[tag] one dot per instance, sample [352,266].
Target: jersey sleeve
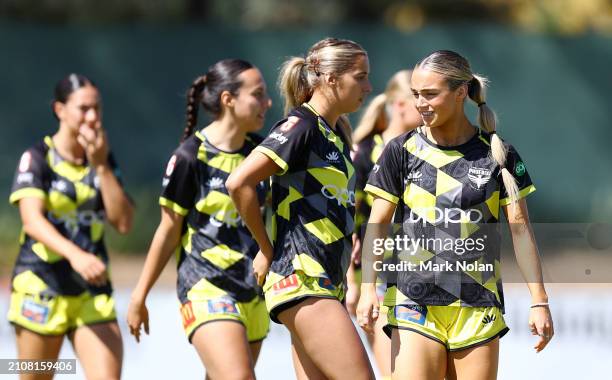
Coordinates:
[29,180]
[385,180]
[178,185]
[362,165]
[287,143]
[517,168]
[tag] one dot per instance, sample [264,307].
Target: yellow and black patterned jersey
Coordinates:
[73,205]
[367,153]
[216,246]
[448,204]
[313,197]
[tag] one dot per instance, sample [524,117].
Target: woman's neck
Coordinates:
[67,145]
[452,133]
[324,108]
[225,135]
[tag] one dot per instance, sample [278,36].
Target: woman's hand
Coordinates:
[352,298]
[137,315]
[368,308]
[94,141]
[261,266]
[90,267]
[541,324]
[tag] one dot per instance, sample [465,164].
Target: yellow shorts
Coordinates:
[293,289]
[58,315]
[205,305]
[455,327]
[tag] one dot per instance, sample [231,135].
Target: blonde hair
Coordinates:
[398,87]
[300,76]
[457,71]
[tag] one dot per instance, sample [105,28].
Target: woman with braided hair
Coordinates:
[444,183]
[215,286]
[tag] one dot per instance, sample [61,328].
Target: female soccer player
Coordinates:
[216,286]
[446,182]
[313,181]
[387,116]
[67,186]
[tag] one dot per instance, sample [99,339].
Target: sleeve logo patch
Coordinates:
[35,312]
[170,167]
[25,162]
[520,169]
[291,121]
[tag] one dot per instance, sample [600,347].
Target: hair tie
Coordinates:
[481,104]
[493,132]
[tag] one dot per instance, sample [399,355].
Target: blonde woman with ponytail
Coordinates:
[215,282]
[388,115]
[445,183]
[303,266]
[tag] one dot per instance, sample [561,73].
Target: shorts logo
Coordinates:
[291,121]
[171,164]
[488,319]
[411,313]
[286,283]
[35,312]
[24,163]
[187,314]
[479,176]
[222,306]
[519,169]
[326,283]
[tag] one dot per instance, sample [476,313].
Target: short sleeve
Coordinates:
[178,185]
[112,162]
[30,180]
[362,165]
[286,143]
[385,179]
[517,168]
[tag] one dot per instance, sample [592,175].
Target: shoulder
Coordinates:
[188,149]
[401,140]
[36,152]
[299,121]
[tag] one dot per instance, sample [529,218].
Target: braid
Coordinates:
[488,121]
[194,96]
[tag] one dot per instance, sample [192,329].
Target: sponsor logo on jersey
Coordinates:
[96,182]
[279,137]
[59,185]
[291,121]
[341,195]
[215,183]
[479,176]
[222,306]
[25,178]
[290,282]
[411,313]
[187,314]
[488,319]
[25,161]
[35,312]
[326,283]
[170,166]
[332,156]
[414,176]
[520,169]
[447,216]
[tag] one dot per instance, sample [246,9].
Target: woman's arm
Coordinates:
[36,225]
[528,259]
[241,185]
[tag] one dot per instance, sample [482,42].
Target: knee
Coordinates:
[235,374]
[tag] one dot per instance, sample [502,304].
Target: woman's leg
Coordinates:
[304,367]
[31,345]
[478,363]
[381,346]
[99,349]
[224,350]
[414,356]
[325,332]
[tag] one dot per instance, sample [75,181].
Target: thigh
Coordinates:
[305,369]
[326,333]
[381,345]
[99,349]
[224,350]
[31,345]
[255,349]
[414,356]
[477,363]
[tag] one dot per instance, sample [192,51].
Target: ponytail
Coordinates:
[370,118]
[293,83]
[194,96]
[488,122]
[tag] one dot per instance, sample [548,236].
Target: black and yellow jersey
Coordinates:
[74,207]
[216,247]
[448,204]
[366,154]
[313,197]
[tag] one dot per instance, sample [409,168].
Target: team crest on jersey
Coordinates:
[411,313]
[171,164]
[187,314]
[222,306]
[479,177]
[215,183]
[287,125]
[332,156]
[24,163]
[35,312]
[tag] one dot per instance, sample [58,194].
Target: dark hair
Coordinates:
[207,89]
[66,86]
